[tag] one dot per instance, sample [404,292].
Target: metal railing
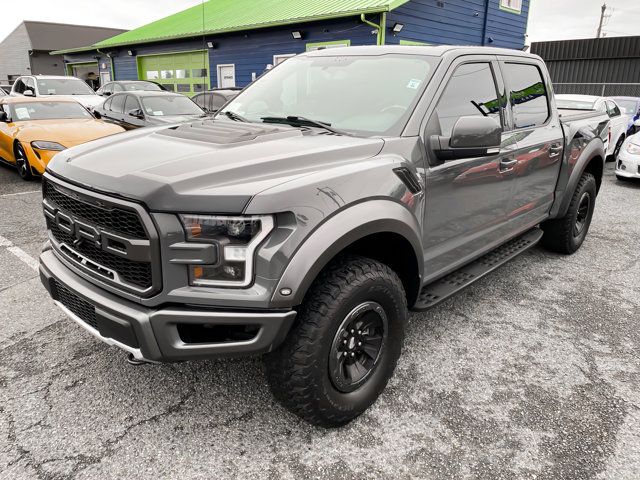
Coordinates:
[600,89]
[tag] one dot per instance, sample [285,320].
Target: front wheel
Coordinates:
[345,343]
[22,162]
[566,234]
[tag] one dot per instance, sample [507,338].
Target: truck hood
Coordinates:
[208,166]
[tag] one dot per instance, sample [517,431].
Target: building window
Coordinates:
[184,87]
[514,6]
[182,73]
[322,45]
[278,59]
[166,74]
[199,73]
[152,75]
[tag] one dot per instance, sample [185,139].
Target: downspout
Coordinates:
[486,19]
[380,29]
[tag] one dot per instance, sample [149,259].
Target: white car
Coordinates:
[53,85]
[628,163]
[619,121]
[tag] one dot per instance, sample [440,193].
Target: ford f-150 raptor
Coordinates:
[336,193]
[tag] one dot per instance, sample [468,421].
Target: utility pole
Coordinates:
[603,18]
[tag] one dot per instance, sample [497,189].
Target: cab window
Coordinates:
[612,109]
[527,94]
[471,92]
[117,104]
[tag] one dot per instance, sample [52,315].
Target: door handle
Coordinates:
[555,150]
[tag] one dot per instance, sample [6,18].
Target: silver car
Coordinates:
[628,162]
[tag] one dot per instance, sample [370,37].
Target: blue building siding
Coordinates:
[462,22]
[459,22]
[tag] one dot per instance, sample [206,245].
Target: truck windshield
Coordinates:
[63,86]
[370,95]
[169,105]
[20,112]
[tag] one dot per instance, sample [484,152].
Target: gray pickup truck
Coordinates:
[338,192]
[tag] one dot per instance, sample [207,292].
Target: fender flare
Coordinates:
[563,197]
[338,232]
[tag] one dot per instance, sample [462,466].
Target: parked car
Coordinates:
[307,217]
[3,93]
[630,106]
[5,89]
[215,99]
[628,163]
[33,130]
[128,86]
[619,120]
[55,86]
[143,109]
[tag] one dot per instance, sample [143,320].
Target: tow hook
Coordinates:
[134,361]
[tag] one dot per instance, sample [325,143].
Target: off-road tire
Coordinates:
[559,234]
[298,372]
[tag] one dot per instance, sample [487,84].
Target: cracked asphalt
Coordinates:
[532,373]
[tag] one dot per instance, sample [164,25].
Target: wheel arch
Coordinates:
[384,230]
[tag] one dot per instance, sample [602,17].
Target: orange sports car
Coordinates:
[33,130]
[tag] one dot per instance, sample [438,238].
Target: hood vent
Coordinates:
[224,132]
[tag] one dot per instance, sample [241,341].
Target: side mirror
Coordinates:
[29,93]
[96,114]
[471,137]
[106,94]
[136,112]
[4,117]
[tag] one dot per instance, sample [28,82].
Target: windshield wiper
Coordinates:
[296,120]
[235,116]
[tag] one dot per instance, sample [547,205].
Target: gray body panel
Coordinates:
[328,192]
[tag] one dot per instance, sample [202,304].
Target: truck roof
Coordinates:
[434,51]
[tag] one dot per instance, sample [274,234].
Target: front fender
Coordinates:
[338,232]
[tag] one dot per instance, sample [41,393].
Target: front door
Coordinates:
[226,76]
[466,199]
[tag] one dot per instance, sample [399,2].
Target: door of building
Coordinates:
[226,76]
[186,73]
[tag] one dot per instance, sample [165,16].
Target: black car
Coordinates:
[129,86]
[144,109]
[215,99]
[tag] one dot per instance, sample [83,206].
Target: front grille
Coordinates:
[81,308]
[115,220]
[71,214]
[135,273]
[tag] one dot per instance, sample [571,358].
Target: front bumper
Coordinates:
[158,335]
[628,165]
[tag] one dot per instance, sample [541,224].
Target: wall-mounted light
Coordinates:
[397,28]
[131,53]
[211,45]
[296,34]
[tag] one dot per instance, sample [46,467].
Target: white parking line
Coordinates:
[20,193]
[19,253]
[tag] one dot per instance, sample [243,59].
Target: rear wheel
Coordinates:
[22,162]
[345,344]
[566,234]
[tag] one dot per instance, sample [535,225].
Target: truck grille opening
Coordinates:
[82,309]
[116,220]
[65,209]
[191,333]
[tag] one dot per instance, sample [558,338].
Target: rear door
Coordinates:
[466,199]
[539,138]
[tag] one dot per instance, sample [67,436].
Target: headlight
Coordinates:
[236,238]
[633,149]
[43,145]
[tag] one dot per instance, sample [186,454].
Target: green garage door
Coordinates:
[186,73]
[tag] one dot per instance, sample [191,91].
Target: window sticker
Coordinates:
[158,112]
[22,113]
[51,91]
[414,84]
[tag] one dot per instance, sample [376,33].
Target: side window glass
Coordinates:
[217,101]
[107,104]
[201,100]
[471,91]
[613,110]
[117,88]
[117,104]
[19,86]
[30,84]
[527,94]
[131,104]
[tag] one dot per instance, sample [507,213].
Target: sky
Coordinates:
[548,19]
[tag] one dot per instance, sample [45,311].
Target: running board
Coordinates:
[451,284]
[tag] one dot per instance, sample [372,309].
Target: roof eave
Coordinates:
[292,21]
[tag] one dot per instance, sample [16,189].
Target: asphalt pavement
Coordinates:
[532,373]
